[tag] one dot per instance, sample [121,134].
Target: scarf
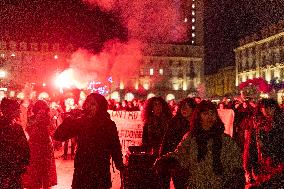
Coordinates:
[202,141]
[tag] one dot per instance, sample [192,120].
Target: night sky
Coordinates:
[228,21]
[89,27]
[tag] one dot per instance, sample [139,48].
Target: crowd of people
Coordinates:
[187,140]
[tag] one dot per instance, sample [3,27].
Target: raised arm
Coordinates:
[69,128]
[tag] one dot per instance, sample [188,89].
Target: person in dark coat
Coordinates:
[97,142]
[14,147]
[178,127]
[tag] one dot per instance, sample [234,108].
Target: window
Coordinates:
[161,71]
[55,47]
[12,45]
[151,71]
[44,46]
[3,45]
[141,72]
[34,46]
[23,46]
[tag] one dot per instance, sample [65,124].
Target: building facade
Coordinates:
[36,63]
[221,84]
[172,71]
[262,55]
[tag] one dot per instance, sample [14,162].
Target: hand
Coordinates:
[159,165]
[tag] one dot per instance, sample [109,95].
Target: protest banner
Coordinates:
[130,127]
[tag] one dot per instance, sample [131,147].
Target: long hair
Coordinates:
[186,101]
[40,104]
[148,114]
[9,105]
[203,136]
[97,100]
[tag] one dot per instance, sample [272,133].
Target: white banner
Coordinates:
[227,116]
[129,126]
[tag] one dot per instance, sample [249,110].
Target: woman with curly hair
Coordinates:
[212,158]
[155,115]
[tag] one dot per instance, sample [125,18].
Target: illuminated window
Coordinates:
[13,54]
[193,5]
[193,27]
[193,20]
[192,42]
[151,71]
[193,34]
[2,55]
[185,19]
[193,12]
[56,56]
[161,71]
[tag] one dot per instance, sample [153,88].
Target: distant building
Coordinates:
[221,84]
[262,55]
[32,62]
[173,71]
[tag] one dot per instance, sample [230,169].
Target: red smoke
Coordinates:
[149,20]
[119,60]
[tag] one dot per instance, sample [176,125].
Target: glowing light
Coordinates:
[151,71]
[13,54]
[193,6]
[136,86]
[2,95]
[193,27]
[161,71]
[64,80]
[97,86]
[129,97]
[56,56]
[176,86]
[115,96]
[146,86]
[43,84]
[21,95]
[185,19]
[193,20]
[193,34]
[110,79]
[12,93]
[170,97]
[2,73]
[264,95]
[121,85]
[150,95]
[43,95]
